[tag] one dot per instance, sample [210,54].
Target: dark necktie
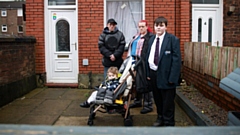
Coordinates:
[156,55]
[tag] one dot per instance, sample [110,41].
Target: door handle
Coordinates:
[75,45]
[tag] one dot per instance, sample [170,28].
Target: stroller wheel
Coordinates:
[128,122]
[90,122]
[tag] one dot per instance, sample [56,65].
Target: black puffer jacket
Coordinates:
[111,43]
[141,77]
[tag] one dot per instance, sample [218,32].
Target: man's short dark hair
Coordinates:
[161,20]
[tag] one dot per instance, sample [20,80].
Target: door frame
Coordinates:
[48,49]
[219,17]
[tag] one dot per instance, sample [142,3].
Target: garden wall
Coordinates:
[209,87]
[17,67]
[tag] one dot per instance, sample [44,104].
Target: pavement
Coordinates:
[60,107]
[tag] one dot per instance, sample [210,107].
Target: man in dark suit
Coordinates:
[163,71]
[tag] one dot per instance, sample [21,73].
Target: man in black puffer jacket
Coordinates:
[111,45]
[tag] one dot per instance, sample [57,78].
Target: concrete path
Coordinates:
[60,107]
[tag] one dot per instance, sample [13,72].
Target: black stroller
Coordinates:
[121,104]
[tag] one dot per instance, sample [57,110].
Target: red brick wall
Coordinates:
[35,27]
[17,59]
[90,26]
[209,87]
[17,67]
[231,25]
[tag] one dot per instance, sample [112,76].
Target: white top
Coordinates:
[152,52]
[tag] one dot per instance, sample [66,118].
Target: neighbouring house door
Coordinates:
[62,57]
[207,24]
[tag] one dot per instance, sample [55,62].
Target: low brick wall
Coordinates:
[209,87]
[17,67]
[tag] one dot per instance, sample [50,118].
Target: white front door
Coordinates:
[206,24]
[62,61]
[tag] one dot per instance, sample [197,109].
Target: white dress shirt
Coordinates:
[152,51]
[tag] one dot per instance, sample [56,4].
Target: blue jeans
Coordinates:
[105,72]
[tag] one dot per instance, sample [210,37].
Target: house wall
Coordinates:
[231,24]
[17,67]
[12,21]
[209,87]
[91,23]
[35,27]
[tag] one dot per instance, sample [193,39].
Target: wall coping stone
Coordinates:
[4,38]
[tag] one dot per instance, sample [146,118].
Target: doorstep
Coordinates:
[62,85]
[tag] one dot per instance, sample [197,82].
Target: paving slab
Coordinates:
[33,119]
[50,93]
[12,113]
[60,106]
[51,107]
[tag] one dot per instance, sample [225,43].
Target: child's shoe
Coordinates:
[85,104]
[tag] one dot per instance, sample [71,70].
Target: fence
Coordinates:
[215,61]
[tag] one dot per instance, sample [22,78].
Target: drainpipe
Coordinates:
[153,13]
[90,80]
[175,17]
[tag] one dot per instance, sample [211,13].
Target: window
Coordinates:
[4,13]
[200,30]
[4,28]
[19,12]
[205,1]
[62,36]
[210,30]
[20,29]
[61,2]
[127,14]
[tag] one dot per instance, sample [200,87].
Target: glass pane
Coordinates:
[62,36]
[20,29]
[61,2]
[210,30]
[199,30]
[127,14]
[205,1]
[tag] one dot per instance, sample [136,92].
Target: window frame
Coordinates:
[4,26]
[2,13]
[19,30]
[59,3]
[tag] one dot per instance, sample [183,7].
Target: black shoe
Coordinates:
[85,104]
[135,105]
[158,123]
[144,110]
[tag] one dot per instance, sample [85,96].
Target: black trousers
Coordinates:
[164,100]
[145,99]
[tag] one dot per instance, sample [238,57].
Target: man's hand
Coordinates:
[112,57]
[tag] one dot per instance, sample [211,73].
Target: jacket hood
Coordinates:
[106,30]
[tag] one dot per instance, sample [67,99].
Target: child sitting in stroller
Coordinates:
[105,92]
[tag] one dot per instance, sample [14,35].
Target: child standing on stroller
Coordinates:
[105,92]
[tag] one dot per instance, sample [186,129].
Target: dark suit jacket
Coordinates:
[169,66]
